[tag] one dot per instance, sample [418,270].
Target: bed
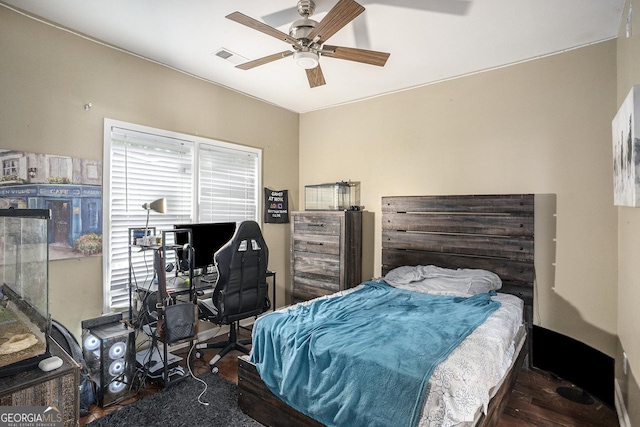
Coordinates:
[491,234]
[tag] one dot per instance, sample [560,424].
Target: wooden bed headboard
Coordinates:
[491,232]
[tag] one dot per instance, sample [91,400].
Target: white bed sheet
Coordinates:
[468,378]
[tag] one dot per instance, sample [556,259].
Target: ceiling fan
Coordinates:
[308,37]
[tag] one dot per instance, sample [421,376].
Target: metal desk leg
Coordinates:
[273,301]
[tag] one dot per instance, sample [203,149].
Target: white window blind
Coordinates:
[228,190]
[145,164]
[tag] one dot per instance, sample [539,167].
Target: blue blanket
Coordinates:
[363,359]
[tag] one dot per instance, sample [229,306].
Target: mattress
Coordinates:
[461,386]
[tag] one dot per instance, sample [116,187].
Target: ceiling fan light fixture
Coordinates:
[306,59]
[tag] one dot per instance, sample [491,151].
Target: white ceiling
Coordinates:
[429,40]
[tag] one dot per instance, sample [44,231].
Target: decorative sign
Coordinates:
[276,206]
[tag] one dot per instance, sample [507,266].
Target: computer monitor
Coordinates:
[206,239]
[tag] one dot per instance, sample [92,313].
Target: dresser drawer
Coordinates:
[305,288]
[318,244]
[317,224]
[316,263]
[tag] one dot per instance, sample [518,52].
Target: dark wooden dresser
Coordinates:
[326,252]
[58,388]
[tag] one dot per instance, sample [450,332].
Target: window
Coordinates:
[10,167]
[94,215]
[92,171]
[227,190]
[203,180]
[60,167]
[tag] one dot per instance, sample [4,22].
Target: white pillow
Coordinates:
[433,279]
[403,275]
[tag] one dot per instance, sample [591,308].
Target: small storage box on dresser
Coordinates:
[326,252]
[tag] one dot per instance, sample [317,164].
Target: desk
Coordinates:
[178,286]
[272,274]
[199,287]
[145,311]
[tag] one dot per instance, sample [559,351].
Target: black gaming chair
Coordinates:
[241,289]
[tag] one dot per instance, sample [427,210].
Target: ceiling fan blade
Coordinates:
[243,19]
[315,77]
[265,60]
[340,15]
[371,57]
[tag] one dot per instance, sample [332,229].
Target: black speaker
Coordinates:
[110,356]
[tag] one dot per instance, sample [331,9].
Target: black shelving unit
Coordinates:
[143,319]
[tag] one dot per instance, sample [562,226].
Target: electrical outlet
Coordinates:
[624,363]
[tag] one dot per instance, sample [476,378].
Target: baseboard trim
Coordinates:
[621,409]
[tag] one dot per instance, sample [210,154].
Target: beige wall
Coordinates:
[542,126]
[628,235]
[48,75]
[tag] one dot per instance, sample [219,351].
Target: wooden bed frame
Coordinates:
[491,232]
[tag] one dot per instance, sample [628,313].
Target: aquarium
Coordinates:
[25,322]
[336,196]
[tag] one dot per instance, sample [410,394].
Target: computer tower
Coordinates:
[110,356]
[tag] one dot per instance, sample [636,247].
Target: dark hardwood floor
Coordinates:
[533,402]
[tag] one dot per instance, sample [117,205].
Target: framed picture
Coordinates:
[70,187]
[626,151]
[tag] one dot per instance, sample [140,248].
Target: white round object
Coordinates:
[117,350]
[91,342]
[49,364]
[116,367]
[306,60]
[117,386]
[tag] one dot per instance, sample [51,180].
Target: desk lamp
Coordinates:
[159,206]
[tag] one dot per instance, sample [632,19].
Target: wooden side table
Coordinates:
[58,388]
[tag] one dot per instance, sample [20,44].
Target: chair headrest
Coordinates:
[247,233]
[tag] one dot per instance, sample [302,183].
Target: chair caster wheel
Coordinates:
[214,370]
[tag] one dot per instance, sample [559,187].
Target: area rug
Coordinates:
[178,406]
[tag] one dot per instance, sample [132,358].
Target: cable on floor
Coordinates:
[198,379]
